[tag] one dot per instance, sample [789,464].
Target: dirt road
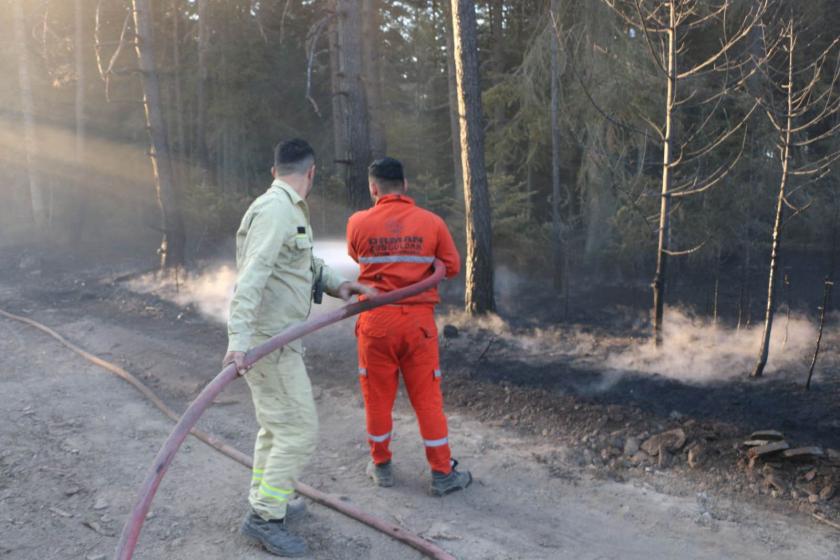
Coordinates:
[75,442]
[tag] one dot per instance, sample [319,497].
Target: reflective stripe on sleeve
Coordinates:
[379,439]
[363,371]
[437,373]
[396,259]
[436,442]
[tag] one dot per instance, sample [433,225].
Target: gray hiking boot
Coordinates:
[382,474]
[443,484]
[274,536]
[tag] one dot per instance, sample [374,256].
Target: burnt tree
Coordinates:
[172,249]
[556,219]
[372,74]
[452,87]
[479,297]
[802,105]
[353,153]
[666,27]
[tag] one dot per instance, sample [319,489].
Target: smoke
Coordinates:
[210,290]
[695,349]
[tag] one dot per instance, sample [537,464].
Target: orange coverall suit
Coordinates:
[395,244]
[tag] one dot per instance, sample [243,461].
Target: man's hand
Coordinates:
[348,289]
[237,358]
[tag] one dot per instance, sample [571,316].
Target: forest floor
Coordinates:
[552,439]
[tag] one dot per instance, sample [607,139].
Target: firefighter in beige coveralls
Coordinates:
[276,275]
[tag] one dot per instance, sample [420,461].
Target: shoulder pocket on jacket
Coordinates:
[303,243]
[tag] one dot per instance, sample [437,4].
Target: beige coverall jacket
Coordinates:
[276,272]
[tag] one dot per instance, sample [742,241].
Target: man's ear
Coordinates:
[311,173]
[405,185]
[273,172]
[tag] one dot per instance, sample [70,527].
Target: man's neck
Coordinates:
[390,194]
[297,182]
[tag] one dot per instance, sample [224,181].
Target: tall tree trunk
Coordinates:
[497,34]
[202,153]
[454,125]
[556,222]
[778,221]
[38,203]
[79,47]
[172,248]
[663,246]
[339,101]
[349,14]
[372,68]
[479,297]
[78,219]
[177,82]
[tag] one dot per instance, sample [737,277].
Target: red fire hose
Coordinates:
[131,530]
[185,424]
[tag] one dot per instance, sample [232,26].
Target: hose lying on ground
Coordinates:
[186,423]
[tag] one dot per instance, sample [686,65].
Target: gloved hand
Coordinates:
[237,358]
[348,289]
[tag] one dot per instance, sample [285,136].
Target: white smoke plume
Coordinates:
[211,290]
[695,350]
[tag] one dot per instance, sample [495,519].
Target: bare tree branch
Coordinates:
[313,36]
[687,251]
[747,24]
[717,176]
[818,166]
[722,138]
[646,32]
[106,73]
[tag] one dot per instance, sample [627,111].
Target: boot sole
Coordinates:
[441,493]
[249,533]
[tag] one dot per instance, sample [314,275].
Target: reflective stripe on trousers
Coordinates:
[396,341]
[285,410]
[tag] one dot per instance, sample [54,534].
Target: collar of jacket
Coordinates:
[285,187]
[388,198]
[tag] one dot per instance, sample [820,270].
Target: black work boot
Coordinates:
[382,474]
[295,508]
[273,535]
[443,484]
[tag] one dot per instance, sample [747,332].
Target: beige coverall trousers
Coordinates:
[285,410]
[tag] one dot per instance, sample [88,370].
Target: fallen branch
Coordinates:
[826,520]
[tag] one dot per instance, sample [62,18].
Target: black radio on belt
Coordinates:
[318,288]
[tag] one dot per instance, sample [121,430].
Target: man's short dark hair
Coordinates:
[388,173]
[293,157]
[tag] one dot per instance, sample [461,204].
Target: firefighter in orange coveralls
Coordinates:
[395,244]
